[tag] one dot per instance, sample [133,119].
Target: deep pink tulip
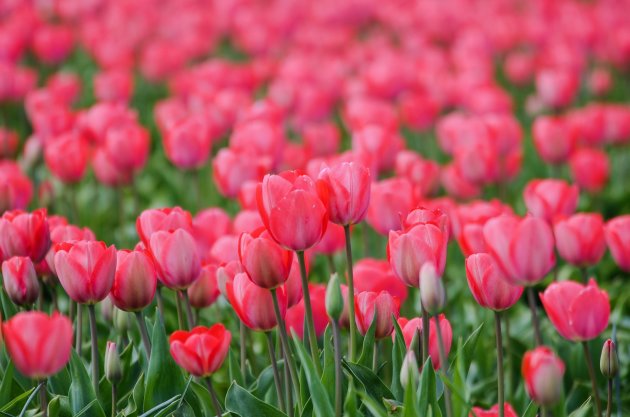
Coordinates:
[247,221]
[16,189]
[508,411]
[578,312]
[543,372]
[293,284]
[557,87]
[488,285]
[24,234]
[225,249]
[580,239]
[321,139]
[291,209]
[127,146]
[391,200]
[261,137]
[295,315]
[266,263]
[253,304]
[422,215]
[204,292]
[424,174]
[61,232]
[165,219]
[333,241]
[176,259]
[456,185]
[39,345]
[550,198]
[20,280]
[410,327]
[468,220]
[85,269]
[555,138]
[113,85]
[52,44]
[67,157]
[107,173]
[590,169]
[523,248]
[65,86]
[187,144]
[382,307]
[232,169]
[348,187]
[135,280]
[202,350]
[208,226]
[379,145]
[377,275]
[618,239]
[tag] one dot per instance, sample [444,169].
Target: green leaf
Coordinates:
[203,398]
[169,404]
[427,380]
[372,405]
[239,401]
[372,384]
[164,379]
[584,409]
[531,410]
[234,370]
[410,402]
[368,344]
[321,402]
[59,406]
[8,308]
[81,390]
[7,384]
[328,374]
[17,401]
[398,355]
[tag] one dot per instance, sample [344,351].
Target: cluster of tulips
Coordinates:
[472,154]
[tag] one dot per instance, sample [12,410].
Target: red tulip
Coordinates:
[165,219]
[52,44]
[176,258]
[468,222]
[85,269]
[543,372]
[410,327]
[456,185]
[202,350]
[187,144]
[127,146]
[24,234]
[16,189]
[424,174]
[333,241]
[391,201]
[579,312]
[20,280]
[549,198]
[348,187]
[295,315]
[557,87]
[253,304]
[523,248]
[39,345]
[555,138]
[209,225]
[508,411]
[618,239]
[231,170]
[488,285]
[67,157]
[63,232]
[204,292]
[291,210]
[266,263]
[381,307]
[377,275]
[135,280]
[580,238]
[590,169]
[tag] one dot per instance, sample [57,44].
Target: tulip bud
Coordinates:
[431,289]
[409,369]
[113,368]
[122,321]
[20,280]
[608,363]
[334,298]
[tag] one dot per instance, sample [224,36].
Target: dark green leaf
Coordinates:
[6,384]
[398,355]
[372,384]
[81,390]
[244,404]
[321,402]
[372,405]
[15,402]
[328,373]
[368,344]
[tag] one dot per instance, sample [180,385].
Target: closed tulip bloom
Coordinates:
[557,87]
[543,372]
[38,345]
[410,327]
[488,285]
[226,274]
[86,270]
[578,312]
[550,198]
[233,169]
[618,239]
[292,210]
[348,187]
[381,307]
[456,185]
[294,318]
[67,157]
[208,226]
[508,411]
[424,174]
[166,219]
[60,233]
[20,280]
[16,189]
[253,304]
[202,350]
[135,280]
[409,250]
[24,234]
[590,169]
[391,200]
[204,292]
[523,248]
[266,263]
[187,144]
[608,361]
[127,146]
[333,241]
[376,275]
[555,138]
[580,239]
[107,173]
[176,258]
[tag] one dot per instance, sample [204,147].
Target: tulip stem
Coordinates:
[285,342]
[338,373]
[506,321]
[160,302]
[114,399]
[331,264]
[243,347]
[94,340]
[276,374]
[215,400]
[375,356]
[501,393]
[425,335]
[443,367]
[352,321]
[591,372]
[43,397]
[584,271]
[310,324]
[142,325]
[189,312]
[610,400]
[79,327]
[180,311]
[531,297]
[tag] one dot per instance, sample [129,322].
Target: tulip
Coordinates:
[176,258]
[202,350]
[377,275]
[543,372]
[488,284]
[456,185]
[208,226]
[113,367]
[549,198]
[618,239]
[590,169]
[423,174]
[260,137]
[391,200]
[135,280]
[64,233]
[557,87]
[332,242]
[38,345]
[24,234]
[411,327]
[113,85]
[508,411]
[555,138]
[231,170]
[188,143]
[432,292]
[334,299]
[609,362]
[266,263]
[295,315]
[52,44]
[370,306]
[127,146]
[20,280]
[204,292]
[67,157]
[166,219]
[107,173]
[379,144]
[348,186]
[225,249]
[16,189]
[253,304]
[580,239]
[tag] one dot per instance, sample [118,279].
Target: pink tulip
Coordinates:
[52,44]
[508,411]
[578,312]
[377,275]
[557,87]
[16,189]
[208,226]
[165,219]
[580,239]
[618,239]
[67,157]
[187,144]
[24,234]
[247,221]
[590,169]
[135,280]
[382,306]
[266,263]
[107,172]
[333,241]
[8,143]
[253,304]
[201,351]
[348,187]
[113,85]
[20,280]
[410,327]
[456,185]
[176,258]
[295,315]
[204,292]
[555,138]
[550,198]
[488,285]
[264,138]
[543,372]
[424,174]
[127,146]
[231,170]
[391,200]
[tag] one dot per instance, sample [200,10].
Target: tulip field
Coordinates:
[331,208]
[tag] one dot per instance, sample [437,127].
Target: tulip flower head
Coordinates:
[20,280]
[370,306]
[24,234]
[266,263]
[618,239]
[488,284]
[135,280]
[543,372]
[411,327]
[580,238]
[202,350]
[550,198]
[348,186]
[253,304]
[176,258]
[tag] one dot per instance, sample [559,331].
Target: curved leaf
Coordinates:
[244,404]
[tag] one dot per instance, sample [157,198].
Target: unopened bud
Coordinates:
[608,363]
[334,298]
[431,289]
[409,370]
[113,368]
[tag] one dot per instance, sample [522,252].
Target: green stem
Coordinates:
[43,398]
[310,324]
[142,326]
[591,372]
[79,329]
[215,400]
[94,340]
[243,348]
[584,271]
[375,357]
[352,322]
[114,399]
[189,312]
[425,335]
[501,393]
[338,373]
[531,297]
[443,367]
[276,374]
[160,302]
[180,311]
[331,264]
[610,400]
[284,338]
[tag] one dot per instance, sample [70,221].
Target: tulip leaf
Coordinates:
[7,384]
[410,402]
[60,382]
[427,380]
[372,384]
[398,355]
[531,410]
[239,401]
[164,379]
[203,398]
[59,406]
[81,390]
[328,373]
[168,405]
[372,405]
[8,308]
[234,370]
[321,402]
[584,409]
[368,344]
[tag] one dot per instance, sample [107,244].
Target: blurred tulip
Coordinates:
[333,240]
[543,372]
[456,185]
[204,292]
[8,142]
[609,361]
[295,315]
[266,263]
[599,81]
[488,285]
[113,85]
[555,138]
[187,144]
[67,157]
[376,275]
[391,200]
[580,239]
[127,146]
[208,226]
[590,169]
[16,189]
[556,87]
[52,44]
[165,219]
[231,170]
[348,186]
[382,307]
[176,258]
[113,367]
[618,239]
[494,411]
[202,350]
[411,327]
[24,234]
[550,198]
[135,280]
[424,174]
[253,304]
[20,280]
